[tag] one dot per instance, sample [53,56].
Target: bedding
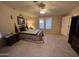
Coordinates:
[32,34]
[31,31]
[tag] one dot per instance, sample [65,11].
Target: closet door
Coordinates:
[73,28]
[66,22]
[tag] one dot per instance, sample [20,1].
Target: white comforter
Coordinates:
[31,31]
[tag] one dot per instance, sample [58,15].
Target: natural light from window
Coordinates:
[45,23]
[41,22]
[48,23]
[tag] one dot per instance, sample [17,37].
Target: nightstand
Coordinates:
[2,43]
[11,39]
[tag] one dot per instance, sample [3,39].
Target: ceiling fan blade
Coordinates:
[40,4]
[35,1]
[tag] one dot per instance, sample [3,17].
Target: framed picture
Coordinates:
[20,20]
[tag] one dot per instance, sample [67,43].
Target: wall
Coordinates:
[66,21]
[33,21]
[6,23]
[56,27]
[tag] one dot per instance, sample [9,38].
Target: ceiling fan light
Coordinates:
[42,12]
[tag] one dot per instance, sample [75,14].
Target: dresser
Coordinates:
[2,42]
[10,39]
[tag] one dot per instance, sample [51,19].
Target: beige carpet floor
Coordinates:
[53,46]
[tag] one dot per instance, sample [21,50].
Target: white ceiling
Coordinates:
[52,7]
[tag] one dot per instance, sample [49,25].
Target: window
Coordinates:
[41,22]
[45,23]
[48,23]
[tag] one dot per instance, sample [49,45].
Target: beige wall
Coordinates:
[6,23]
[56,27]
[33,21]
[66,21]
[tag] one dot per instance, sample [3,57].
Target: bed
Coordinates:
[32,34]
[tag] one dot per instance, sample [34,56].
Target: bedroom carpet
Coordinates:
[53,46]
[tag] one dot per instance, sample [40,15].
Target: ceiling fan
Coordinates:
[40,4]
